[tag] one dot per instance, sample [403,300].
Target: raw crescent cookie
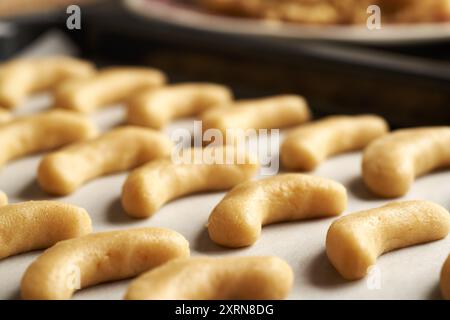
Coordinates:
[36,225]
[244,278]
[354,242]
[158,107]
[22,77]
[308,145]
[109,86]
[267,113]
[237,220]
[63,171]
[142,196]
[391,163]
[42,132]
[100,257]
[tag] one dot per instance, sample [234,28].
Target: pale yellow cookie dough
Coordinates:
[354,242]
[111,85]
[22,77]
[100,257]
[307,146]
[35,225]
[149,187]
[391,163]
[42,132]
[265,113]
[201,278]
[124,148]
[156,108]
[237,220]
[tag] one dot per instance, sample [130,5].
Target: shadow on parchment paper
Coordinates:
[322,273]
[435,293]
[204,244]
[359,189]
[33,191]
[15,295]
[116,214]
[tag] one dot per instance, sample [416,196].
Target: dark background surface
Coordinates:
[409,85]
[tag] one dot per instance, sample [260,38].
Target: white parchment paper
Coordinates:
[411,273]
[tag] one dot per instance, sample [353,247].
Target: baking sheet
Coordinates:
[410,273]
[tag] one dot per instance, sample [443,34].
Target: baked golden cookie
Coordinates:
[333,11]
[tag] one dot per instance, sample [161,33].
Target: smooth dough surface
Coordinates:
[264,113]
[155,108]
[307,146]
[63,171]
[237,220]
[36,225]
[42,132]
[201,278]
[391,163]
[109,86]
[22,77]
[354,242]
[149,187]
[99,257]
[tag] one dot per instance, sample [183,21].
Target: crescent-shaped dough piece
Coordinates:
[3,198]
[22,77]
[237,220]
[156,108]
[354,242]
[391,163]
[109,86]
[99,257]
[201,278]
[265,113]
[63,171]
[36,225]
[149,187]
[42,132]
[310,144]
[445,279]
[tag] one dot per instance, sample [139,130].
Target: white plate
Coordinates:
[184,14]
